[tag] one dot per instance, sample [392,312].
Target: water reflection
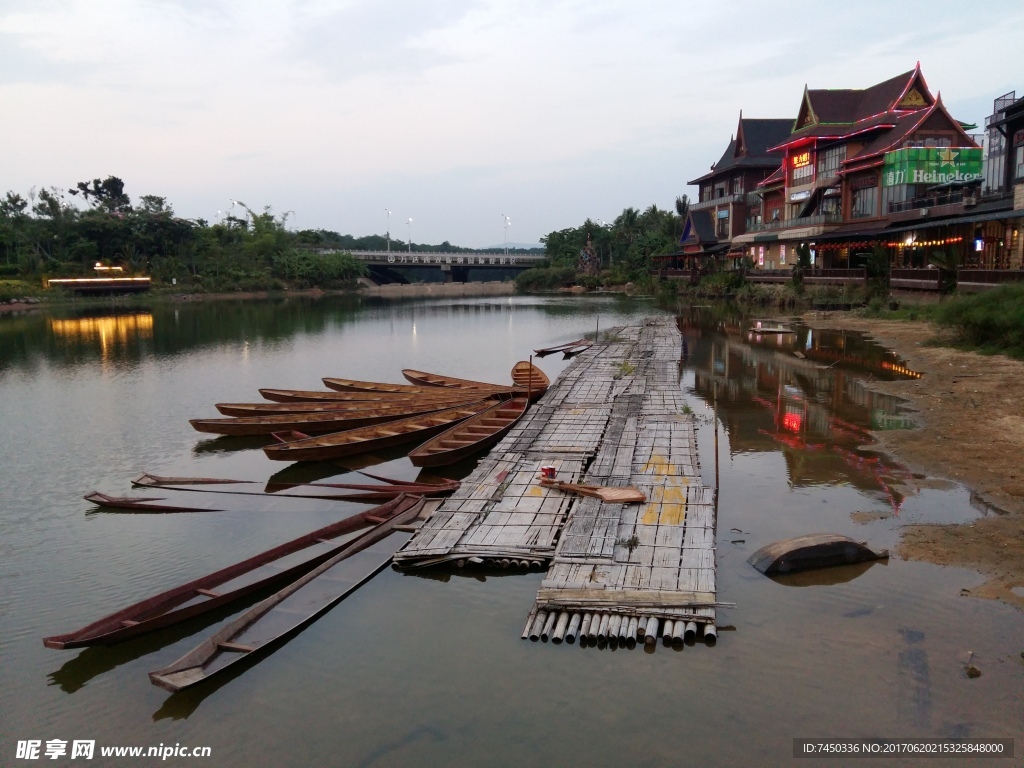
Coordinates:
[109,332]
[802,394]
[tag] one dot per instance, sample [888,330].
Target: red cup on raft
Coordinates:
[548,472]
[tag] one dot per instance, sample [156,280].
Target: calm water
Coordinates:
[429,669]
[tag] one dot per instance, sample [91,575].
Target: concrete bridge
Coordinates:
[453,266]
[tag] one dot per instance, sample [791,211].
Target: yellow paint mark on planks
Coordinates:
[667,505]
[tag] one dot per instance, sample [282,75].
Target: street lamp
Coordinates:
[508,223]
[389,229]
[243,206]
[409,225]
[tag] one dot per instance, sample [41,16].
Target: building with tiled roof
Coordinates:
[727,197]
[842,179]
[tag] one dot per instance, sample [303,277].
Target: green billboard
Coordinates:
[931,165]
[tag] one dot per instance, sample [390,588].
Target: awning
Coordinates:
[1011,214]
[765,238]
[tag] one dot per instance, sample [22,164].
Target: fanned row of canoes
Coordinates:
[356,417]
[234,582]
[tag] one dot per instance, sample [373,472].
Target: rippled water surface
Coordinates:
[429,669]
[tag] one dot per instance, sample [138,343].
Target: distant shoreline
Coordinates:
[414,290]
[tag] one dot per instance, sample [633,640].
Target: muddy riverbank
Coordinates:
[971,430]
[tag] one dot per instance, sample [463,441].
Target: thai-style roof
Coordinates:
[749,147]
[698,229]
[905,125]
[844,112]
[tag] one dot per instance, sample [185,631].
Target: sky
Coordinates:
[457,114]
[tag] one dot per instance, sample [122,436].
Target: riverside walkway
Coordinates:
[628,572]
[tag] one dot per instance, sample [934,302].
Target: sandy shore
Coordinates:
[972,431]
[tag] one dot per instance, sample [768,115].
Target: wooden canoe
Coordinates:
[280,615]
[437,380]
[369,492]
[229,584]
[340,444]
[157,480]
[428,390]
[573,351]
[139,504]
[313,423]
[530,378]
[470,436]
[558,348]
[334,396]
[443,400]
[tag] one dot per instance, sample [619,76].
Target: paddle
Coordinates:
[616,495]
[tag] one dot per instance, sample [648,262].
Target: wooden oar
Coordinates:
[615,495]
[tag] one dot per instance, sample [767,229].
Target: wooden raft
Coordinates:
[615,572]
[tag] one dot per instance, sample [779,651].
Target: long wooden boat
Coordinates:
[370,492]
[558,348]
[279,565]
[530,378]
[573,351]
[442,400]
[139,504]
[313,423]
[470,436]
[157,480]
[365,439]
[280,615]
[443,484]
[420,389]
[424,379]
[334,396]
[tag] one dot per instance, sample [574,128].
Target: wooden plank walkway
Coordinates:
[622,572]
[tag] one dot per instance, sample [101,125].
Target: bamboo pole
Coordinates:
[691,630]
[573,628]
[538,625]
[631,630]
[585,626]
[651,633]
[560,626]
[549,626]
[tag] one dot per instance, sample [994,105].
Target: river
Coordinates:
[429,669]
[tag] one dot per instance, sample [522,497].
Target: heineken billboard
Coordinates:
[931,165]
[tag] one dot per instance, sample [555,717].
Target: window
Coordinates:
[802,175]
[1020,161]
[723,224]
[829,161]
[865,203]
[782,254]
[737,185]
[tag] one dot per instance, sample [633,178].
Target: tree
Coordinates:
[107,194]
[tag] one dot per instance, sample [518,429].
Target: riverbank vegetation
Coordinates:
[53,232]
[990,322]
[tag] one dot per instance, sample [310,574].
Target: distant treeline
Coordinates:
[622,249]
[64,233]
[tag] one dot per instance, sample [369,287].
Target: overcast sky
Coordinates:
[449,112]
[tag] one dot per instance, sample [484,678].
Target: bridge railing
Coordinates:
[442,258]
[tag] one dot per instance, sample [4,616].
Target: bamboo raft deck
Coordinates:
[631,572]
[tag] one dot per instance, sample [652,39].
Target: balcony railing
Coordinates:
[931,201]
[811,276]
[800,221]
[716,201]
